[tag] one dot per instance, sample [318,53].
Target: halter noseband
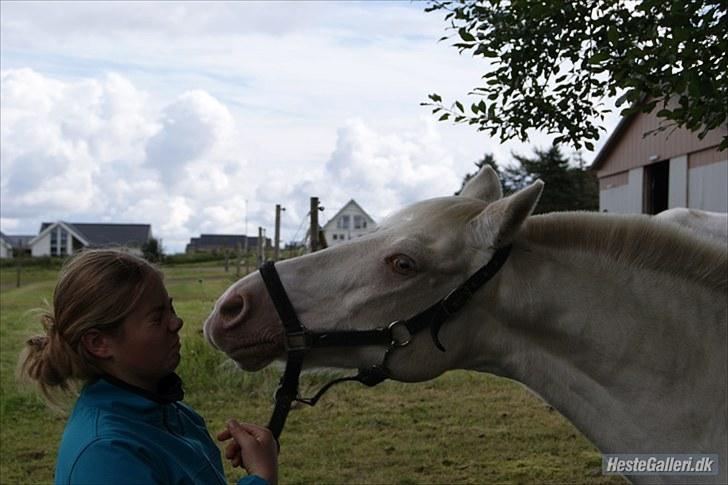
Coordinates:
[300,340]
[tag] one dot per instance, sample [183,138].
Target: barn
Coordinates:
[673,168]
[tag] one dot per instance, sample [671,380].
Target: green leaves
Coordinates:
[551,64]
[465,35]
[599,57]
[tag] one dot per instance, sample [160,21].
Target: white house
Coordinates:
[349,223]
[64,238]
[6,248]
[647,175]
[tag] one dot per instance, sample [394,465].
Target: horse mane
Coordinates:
[634,240]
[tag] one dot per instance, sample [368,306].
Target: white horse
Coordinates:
[619,322]
[703,223]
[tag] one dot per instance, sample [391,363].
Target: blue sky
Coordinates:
[191,115]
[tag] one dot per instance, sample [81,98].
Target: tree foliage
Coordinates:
[152,250]
[553,64]
[568,186]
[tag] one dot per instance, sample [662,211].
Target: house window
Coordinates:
[343,222]
[359,222]
[59,242]
[54,243]
[335,237]
[64,242]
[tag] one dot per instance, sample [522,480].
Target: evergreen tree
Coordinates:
[568,187]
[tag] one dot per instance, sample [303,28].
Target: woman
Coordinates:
[113,328]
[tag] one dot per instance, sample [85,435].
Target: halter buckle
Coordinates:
[399,332]
[297,341]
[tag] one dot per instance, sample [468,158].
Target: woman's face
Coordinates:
[148,346]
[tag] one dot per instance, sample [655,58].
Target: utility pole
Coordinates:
[276,248]
[261,256]
[247,260]
[314,224]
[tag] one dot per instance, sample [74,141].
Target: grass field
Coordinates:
[463,427]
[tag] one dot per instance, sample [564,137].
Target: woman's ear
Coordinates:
[97,344]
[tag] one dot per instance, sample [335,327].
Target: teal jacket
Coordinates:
[119,434]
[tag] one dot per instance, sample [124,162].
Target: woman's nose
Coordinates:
[177,323]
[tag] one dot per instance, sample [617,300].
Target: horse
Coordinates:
[620,322]
[704,223]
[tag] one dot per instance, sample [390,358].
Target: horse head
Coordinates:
[414,258]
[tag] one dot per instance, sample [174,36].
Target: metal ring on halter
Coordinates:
[401,335]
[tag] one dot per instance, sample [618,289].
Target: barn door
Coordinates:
[656,187]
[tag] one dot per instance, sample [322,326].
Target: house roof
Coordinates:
[611,142]
[17,241]
[224,240]
[103,234]
[348,204]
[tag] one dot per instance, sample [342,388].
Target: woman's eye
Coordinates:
[402,264]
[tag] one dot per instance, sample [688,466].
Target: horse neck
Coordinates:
[615,349]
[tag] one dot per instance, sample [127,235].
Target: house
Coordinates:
[63,238]
[14,246]
[213,243]
[6,247]
[670,169]
[349,223]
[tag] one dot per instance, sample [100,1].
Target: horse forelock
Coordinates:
[436,213]
[634,240]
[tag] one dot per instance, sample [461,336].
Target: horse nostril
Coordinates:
[232,308]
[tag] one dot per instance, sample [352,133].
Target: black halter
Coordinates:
[399,333]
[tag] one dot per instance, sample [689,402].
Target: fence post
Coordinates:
[313,232]
[237,263]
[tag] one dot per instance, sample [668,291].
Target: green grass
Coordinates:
[463,427]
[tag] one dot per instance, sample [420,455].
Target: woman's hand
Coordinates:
[253,447]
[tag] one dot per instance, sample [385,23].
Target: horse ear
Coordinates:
[497,225]
[485,186]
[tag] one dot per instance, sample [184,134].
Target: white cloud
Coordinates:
[390,168]
[198,116]
[381,167]
[196,126]
[92,151]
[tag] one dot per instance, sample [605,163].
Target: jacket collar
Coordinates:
[169,389]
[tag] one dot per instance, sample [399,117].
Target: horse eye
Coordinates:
[402,264]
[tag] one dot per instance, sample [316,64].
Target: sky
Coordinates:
[201,117]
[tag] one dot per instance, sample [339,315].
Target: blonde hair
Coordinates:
[96,289]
